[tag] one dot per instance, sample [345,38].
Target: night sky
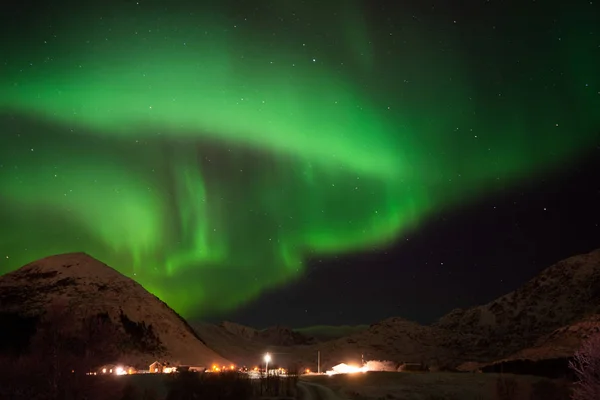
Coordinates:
[302,162]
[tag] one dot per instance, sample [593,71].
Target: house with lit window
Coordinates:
[156,367]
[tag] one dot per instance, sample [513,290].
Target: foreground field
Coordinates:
[221,386]
[442,386]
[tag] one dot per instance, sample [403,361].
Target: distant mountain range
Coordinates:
[323,333]
[545,319]
[563,294]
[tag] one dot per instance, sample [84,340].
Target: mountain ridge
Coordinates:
[88,288]
[564,293]
[562,296]
[546,317]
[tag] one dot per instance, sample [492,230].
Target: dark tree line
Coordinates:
[58,357]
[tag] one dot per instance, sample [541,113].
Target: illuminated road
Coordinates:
[314,391]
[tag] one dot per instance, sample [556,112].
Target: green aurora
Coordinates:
[210,154]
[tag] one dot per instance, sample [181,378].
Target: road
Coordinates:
[314,391]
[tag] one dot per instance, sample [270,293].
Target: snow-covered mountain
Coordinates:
[545,318]
[144,328]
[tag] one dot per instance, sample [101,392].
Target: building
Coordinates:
[107,369]
[116,369]
[190,368]
[161,367]
[156,367]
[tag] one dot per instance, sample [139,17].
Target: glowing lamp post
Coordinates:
[267,360]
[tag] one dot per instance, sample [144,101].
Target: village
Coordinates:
[159,367]
[165,367]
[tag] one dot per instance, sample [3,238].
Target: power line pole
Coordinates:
[319,361]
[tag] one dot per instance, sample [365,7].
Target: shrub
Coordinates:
[130,392]
[586,365]
[58,358]
[506,387]
[31,378]
[223,386]
[548,390]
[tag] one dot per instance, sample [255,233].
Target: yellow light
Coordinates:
[103,370]
[307,371]
[231,367]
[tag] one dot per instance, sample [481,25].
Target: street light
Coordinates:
[267,360]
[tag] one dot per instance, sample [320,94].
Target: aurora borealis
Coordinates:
[210,151]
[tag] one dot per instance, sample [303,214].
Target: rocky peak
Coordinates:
[239,330]
[88,288]
[560,295]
